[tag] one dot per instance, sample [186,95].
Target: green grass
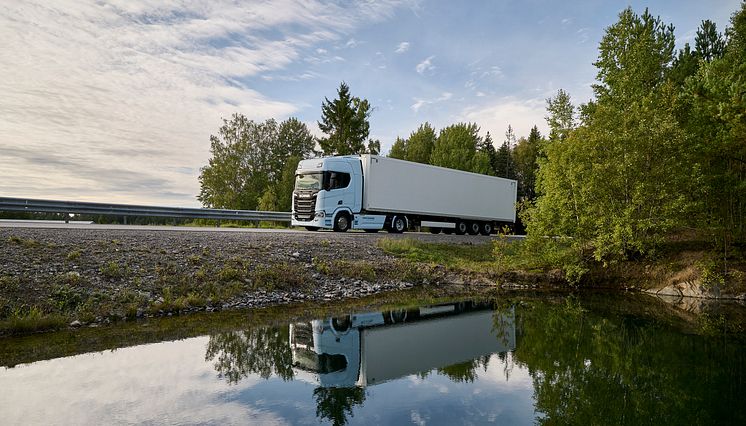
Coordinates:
[501,256]
[452,255]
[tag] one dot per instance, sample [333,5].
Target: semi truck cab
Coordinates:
[329,194]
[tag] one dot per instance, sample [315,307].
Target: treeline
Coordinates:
[253,164]
[661,149]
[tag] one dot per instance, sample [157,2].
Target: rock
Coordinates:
[76,323]
[295,254]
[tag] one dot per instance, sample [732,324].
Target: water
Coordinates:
[553,360]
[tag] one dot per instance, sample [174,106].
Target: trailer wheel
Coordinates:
[461,228]
[435,230]
[473,228]
[486,228]
[398,224]
[342,222]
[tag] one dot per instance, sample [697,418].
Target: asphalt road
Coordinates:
[20,224]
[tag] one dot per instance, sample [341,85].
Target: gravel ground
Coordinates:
[92,275]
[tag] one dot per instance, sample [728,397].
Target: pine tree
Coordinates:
[345,122]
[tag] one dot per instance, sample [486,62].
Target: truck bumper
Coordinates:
[317,222]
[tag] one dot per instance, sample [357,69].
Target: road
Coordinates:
[38,224]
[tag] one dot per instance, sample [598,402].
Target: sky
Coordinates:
[115,101]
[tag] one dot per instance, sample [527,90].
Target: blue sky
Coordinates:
[115,101]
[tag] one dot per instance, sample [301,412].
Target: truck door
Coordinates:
[339,191]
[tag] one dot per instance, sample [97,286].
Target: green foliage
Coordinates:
[250,158]
[73,255]
[526,160]
[345,122]
[456,148]
[399,149]
[709,43]
[620,181]
[112,270]
[561,118]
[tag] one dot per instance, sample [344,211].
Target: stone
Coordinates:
[76,323]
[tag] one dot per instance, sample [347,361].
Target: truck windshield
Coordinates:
[308,181]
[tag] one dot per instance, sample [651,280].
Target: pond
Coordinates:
[598,359]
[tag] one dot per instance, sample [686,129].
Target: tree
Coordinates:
[456,148]
[621,181]
[685,65]
[525,158]
[716,126]
[238,171]
[253,164]
[420,144]
[504,157]
[709,42]
[399,149]
[561,116]
[487,147]
[345,122]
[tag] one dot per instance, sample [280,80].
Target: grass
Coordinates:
[500,257]
[25,242]
[73,255]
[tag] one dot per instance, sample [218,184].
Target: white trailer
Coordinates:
[372,192]
[371,348]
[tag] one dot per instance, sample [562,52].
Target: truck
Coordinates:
[369,348]
[374,193]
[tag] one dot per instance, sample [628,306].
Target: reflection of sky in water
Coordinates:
[172,383]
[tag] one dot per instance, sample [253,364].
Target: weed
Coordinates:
[711,274]
[73,255]
[111,270]
[69,278]
[25,242]
[194,259]
[9,283]
[362,270]
[29,319]
[279,276]
[66,298]
[324,243]
[229,273]
[320,265]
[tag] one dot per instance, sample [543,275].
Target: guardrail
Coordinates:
[78,207]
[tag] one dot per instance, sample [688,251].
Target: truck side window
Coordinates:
[338,180]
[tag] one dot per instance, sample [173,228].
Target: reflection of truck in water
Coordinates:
[369,348]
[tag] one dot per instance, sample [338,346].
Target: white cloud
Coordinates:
[419,103]
[402,47]
[496,115]
[351,43]
[426,65]
[115,101]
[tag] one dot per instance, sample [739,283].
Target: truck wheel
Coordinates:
[398,224]
[435,230]
[312,228]
[473,228]
[461,228]
[486,228]
[342,222]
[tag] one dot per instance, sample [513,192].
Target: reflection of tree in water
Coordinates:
[465,372]
[262,350]
[335,404]
[615,369]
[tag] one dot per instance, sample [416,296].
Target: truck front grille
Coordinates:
[304,206]
[303,334]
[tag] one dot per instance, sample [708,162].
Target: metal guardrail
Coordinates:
[77,207]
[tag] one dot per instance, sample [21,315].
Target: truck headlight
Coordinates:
[320,214]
